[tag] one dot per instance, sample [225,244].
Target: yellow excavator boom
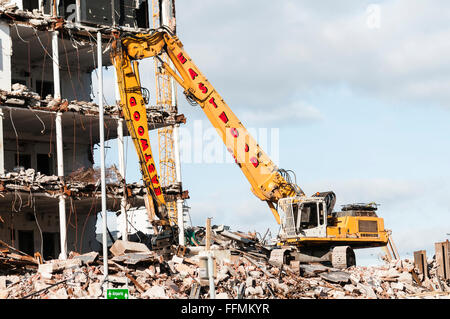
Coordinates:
[263,175]
[134,111]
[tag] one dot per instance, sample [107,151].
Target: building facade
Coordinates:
[49,122]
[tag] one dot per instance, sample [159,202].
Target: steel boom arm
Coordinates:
[135,113]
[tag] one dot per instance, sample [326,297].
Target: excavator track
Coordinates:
[343,257]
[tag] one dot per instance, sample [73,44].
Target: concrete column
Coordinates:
[180,216]
[116,87]
[167,14]
[6,52]
[212,288]
[443,259]
[120,147]
[176,149]
[56,76]
[59,145]
[55,8]
[167,17]
[78,11]
[123,202]
[62,200]
[102,158]
[2,144]
[420,262]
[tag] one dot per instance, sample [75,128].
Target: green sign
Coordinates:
[117,294]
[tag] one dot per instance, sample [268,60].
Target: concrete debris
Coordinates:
[27,180]
[133,258]
[238,273]
[120,248]
[40,21]
[11,258]
[46,270]
[223,242]
[4,294]
[3,282]
[336,276]
[22,96]
[88,258]
[155,292]
[173,277]
[34,18]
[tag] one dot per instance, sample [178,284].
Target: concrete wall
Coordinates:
[5,56]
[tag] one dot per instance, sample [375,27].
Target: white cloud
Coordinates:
[261,53]
[281,115]
[385,191]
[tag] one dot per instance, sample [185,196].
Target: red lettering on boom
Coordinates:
[147,157]
[234,132]
[144,144]
[213,102]
[203,88]
[181,57]
[193,74]
[254,161]
[223,117]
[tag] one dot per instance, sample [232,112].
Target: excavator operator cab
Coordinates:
[303,217]
[310,215]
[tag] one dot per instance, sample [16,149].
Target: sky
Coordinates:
[353,96]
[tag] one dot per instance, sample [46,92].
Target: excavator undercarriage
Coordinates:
[339,257]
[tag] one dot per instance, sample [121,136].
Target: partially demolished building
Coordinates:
[49,189]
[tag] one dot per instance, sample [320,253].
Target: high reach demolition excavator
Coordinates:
[310,230]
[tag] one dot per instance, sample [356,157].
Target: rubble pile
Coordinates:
[34,18]
[40,21]
[82,107]
[22,96]
[93,175]
[19,96]
[11,258]
[152,275]
[28,180]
